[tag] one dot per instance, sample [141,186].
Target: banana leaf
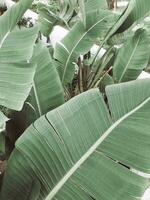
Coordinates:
[79,41]
[47,91]
[132,57]
[16,47]
[83,150]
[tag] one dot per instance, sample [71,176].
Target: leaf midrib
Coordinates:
[129,61]
[4,38]
[37,99]
[91,151]
[66,65]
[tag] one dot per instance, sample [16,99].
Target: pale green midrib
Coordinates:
[124,71]
[4,38]
[91,150]
[65,68]
[37,99]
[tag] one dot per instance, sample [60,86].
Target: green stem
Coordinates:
[94,59]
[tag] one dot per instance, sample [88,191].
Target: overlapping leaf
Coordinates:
[16,72]
[79,40]
[54,13]
[18,46]
[47,19]
[139,9]
[67,9]
[58,151]
[136,10]
[132,57]
[95,5]
[47,92]
[9,19]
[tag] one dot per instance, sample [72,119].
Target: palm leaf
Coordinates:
[74,151]
[79,40]
[132,57]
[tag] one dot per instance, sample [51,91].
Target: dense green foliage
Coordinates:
[81,117]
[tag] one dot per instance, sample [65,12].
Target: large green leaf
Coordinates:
[95,5]
[16,72]
[135,10]
[15,83]
[10,18]
[75,151]
[16,47]
[139,10]
[47,91]
[87,6]
[79,40]
[132,57]
[67,9]
[55,13]
[47,18]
